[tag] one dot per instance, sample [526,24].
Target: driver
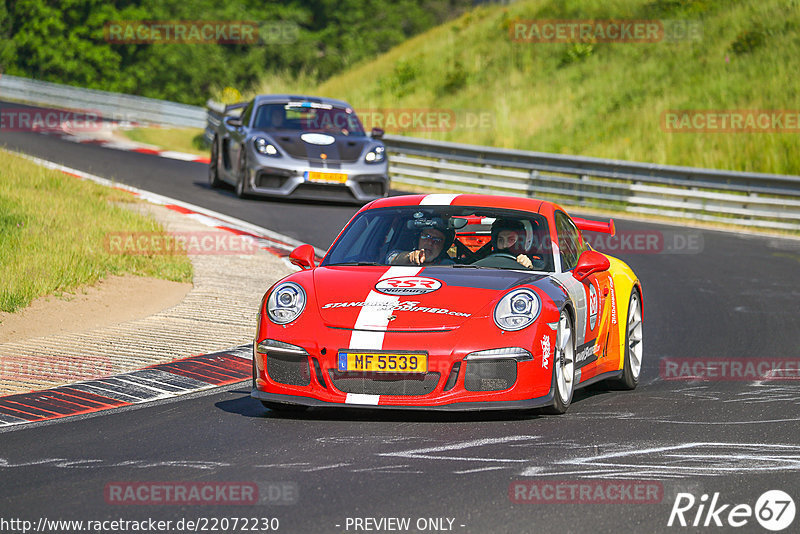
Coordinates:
[432,246]
[508,237]
[277,117]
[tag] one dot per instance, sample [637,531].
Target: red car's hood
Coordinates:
[407,298]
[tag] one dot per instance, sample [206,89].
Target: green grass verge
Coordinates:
[593,99]
[599,99]
[189,140]
[52,234]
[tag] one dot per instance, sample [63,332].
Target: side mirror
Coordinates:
[303,257]
[234,122]
[590,262]
[377,133]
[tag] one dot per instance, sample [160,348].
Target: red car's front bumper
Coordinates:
[538,402]
[452,382]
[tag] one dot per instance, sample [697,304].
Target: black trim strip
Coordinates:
[528,404]
[598,378]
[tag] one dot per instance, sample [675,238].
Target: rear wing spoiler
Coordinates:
[595,226]
[218,108]
[234,107]
[215,112]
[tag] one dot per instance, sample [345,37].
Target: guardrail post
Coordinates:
[583,178]
[534,178]
[437,170]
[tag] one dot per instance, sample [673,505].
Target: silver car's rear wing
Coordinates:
[215,111]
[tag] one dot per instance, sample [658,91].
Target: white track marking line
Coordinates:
[426,453]
[155,198]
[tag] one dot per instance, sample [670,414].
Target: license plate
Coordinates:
[383,362]
[326,177]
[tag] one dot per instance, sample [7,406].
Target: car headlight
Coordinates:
[286,303]
[517,310]
[376,155]
[265,147]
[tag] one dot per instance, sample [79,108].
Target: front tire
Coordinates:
[241,177]
[563,366]
[213,165]
[632,366]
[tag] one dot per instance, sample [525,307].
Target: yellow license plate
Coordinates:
[383,362]
[326,177]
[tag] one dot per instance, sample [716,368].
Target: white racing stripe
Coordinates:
[370,326]
[437,200]
[372,321]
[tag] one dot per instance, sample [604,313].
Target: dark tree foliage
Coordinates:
[64,41]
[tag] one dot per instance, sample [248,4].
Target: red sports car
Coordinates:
[450,302]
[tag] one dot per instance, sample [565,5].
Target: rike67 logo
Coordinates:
[407,285]
[774,510]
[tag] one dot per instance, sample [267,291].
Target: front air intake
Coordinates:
[490,375]
[384,384]
[289,369]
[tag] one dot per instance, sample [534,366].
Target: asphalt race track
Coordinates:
[733,297]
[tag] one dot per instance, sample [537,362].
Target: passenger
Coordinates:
[432,246]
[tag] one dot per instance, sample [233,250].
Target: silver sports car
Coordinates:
[303,146]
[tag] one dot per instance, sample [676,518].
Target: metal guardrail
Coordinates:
[750,199]
[111,106]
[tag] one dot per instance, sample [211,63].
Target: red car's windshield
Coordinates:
[450,236]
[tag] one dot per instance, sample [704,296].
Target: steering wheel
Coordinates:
[503,255]
[500,260]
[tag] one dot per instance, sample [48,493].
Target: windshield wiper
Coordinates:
[356,263]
